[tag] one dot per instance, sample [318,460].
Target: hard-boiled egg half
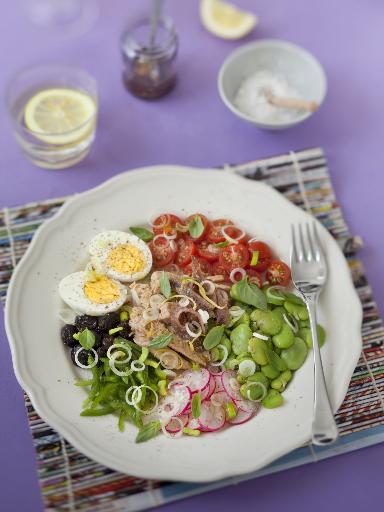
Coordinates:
[92,294]
[120,256]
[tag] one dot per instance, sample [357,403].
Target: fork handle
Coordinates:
[324,428]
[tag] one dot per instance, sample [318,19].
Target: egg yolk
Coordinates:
[126,258]
[101,290]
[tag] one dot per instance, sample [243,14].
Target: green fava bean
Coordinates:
[273,399]
[280,383]
[257,349]
[240,337]
[259,377]
[231,363]
[270,372]
[306,335]
[244,319]
[268,322]
[253,391]
[227,344]
[285,338]
[295,355]
[280,311]
[299,312]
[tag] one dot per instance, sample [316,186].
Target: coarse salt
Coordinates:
[251,98]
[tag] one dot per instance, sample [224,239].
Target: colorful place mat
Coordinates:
[71,481]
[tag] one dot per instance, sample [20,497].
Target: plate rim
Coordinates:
[37,393]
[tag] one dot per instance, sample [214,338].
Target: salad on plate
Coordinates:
[184,327]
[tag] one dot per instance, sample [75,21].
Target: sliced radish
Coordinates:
[247,405]
[241,417]
[207,393]
[211,418]
[227,378]
[197,381]
[219,398]
[176,402]
[174,425]
[219,384]
[193,423]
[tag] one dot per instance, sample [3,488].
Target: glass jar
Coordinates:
[149,68]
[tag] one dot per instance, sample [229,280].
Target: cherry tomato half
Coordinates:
[205,222]
[215,234]
[255,277]
[264,257]
[204,251]
[162,252]
[219,270]
[278,273]
[186,249]
[234,256]
[166,223]
[205,267]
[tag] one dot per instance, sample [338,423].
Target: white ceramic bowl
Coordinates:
[301,69]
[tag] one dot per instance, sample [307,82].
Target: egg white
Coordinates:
[101,245]
[71,290]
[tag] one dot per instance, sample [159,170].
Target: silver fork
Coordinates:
[309,274]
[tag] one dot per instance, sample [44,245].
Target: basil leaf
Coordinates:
[274,360]
[142,233]
[196,402]
[249,294]
[196,227]
[148,432]
[87,339]
[165,286]
[255,258]
[222,244]
[161,341]
[213,337]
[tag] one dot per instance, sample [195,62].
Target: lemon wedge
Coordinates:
[60,116]
[225,20]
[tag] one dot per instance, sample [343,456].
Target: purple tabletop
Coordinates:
[192,127]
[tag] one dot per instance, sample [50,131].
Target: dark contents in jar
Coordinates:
[150,79]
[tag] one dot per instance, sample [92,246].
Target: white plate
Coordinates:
[43,367]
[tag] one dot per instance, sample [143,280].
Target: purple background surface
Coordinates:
[192,127]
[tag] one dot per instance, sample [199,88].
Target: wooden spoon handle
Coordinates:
[296,103]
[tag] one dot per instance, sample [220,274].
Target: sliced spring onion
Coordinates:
[260,336]
[124,315]
[144,386]
[209,287]
[236,311]
[136,395]
[292,324]
[234,272]
[115,330]
[123,346]
[144,354]
[247,367]
[194,305]
[255,258]
[166,220]
[261,385]
[225,356]
[202,291]
[86,366]
[137,366]
[120,373]
[174,360]
[230,409]
[191,432]
[231,239]
[204,315]
[193,329]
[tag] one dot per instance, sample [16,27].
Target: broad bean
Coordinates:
[268,322]
[270,372]
[306,335]
[273,399]
[280,383]
[295,355]
[240,337]
[257,349]
[285,338]
[299,312]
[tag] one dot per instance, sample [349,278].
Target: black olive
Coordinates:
[67,332]
[86,322]
[98,340]
[105,344]
[126,331]
[83,355]
[108,321]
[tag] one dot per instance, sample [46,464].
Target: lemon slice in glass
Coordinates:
[225,20]
[60,115]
